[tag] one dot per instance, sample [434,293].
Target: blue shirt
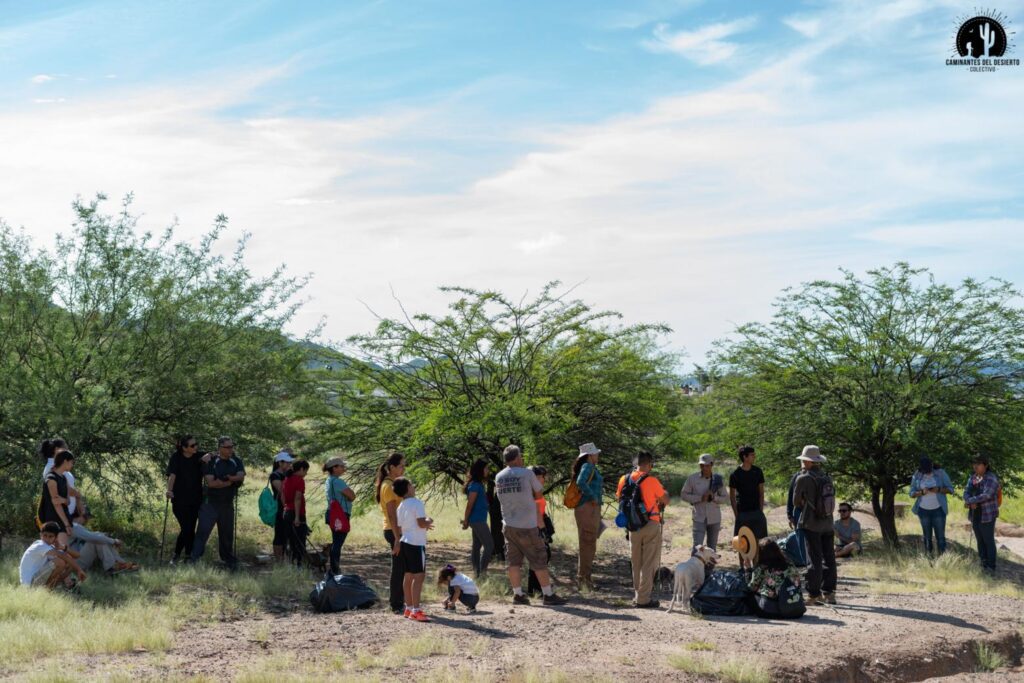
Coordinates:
[334,487]
[481,509]
[942,481]
[590,483]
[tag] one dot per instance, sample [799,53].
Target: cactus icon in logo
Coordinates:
[981,37]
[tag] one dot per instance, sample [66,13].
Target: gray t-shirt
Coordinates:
[845,533]
[517,489]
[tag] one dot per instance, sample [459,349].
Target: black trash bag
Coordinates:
[341,593]
[724,594]
[794,548]
[787,604]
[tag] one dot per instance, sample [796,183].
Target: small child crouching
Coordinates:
[461,588]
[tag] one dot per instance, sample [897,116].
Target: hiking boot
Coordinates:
[814,600]
[653,604]
[829,598]
[520,600]
[553,600]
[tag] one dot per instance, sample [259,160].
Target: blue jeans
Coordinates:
[985,532]
[933,520]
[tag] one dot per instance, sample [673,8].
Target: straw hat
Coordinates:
[811,453]
[745,543]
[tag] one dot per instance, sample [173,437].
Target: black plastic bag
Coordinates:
[787,604]
[341,593]
[724,594]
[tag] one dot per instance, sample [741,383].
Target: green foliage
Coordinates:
[117,341]
[548,374]
[878,372]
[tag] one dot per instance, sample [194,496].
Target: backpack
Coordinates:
[794,548]
[825,501]
[723,594]
[573,495]
[631,504]
[341,593]
[788,603]
[268,506]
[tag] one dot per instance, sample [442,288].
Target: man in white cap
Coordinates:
[815,496]
[706,492]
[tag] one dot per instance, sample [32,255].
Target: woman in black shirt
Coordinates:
[53,505]
[185,490]
[282,533]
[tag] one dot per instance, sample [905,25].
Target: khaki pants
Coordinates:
[646,559]
[588,525]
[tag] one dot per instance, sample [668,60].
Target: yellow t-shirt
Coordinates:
[387,494]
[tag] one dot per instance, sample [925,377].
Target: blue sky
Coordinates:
[685,160]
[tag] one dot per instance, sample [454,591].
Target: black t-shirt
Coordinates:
[278,476]
[188,478]
[746,483]
[47,512]
[222,469]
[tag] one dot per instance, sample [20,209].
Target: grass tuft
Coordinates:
[729,670]
[907,572]
[989,659]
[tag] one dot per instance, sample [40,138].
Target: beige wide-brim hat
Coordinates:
[812,454]
[745,543]
[705,459]
[589,449]
[334,462]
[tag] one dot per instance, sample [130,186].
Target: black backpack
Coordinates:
[723,594]
[788,603]
[631,504]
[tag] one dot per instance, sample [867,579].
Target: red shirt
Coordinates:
[294,484]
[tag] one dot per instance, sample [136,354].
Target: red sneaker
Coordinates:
[408,613]
[419,616]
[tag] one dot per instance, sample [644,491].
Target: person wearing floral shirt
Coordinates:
[772,570]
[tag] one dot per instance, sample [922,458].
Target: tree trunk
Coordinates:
[883,503]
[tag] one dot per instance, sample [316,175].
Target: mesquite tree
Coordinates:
[879,372]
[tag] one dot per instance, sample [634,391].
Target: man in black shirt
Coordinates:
[746,494]
[223,475]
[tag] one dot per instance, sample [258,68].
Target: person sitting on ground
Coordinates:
[847,532]
[44,565]
[460,587]
[547,528]
[772,569]
[412,545]
[93,545]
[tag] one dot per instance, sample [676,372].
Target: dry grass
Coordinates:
[910,572]
[730,670]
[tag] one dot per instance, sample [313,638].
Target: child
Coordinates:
[44,565]
[546,526]
[461,588]
[412,544]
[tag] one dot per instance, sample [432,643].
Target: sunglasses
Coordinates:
[844,512]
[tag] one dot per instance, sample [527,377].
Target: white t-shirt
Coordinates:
[33,560]
[929,501]
[465,584]
[409,511]
[72,502]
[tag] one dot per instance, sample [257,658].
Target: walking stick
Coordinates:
[163,534]
[234,531]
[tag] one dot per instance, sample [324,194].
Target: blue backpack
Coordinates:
[631,505]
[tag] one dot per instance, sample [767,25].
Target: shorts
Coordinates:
[525,543]
[415,558]
[754,520]
[44,573]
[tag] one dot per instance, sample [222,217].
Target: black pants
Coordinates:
[187,515]
[223,515]
[397,597]
[297,535]
[985,533]
[337,540]
[822,575]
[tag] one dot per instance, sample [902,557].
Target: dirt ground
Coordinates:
[867,637]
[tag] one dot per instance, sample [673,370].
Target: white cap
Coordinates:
[284,456]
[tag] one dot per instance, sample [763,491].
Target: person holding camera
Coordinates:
[929,487]
[223,476]
[706,492]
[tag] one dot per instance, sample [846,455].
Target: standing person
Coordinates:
[982,499]
[282,533]
[391,469]
[185,491]
[476,516]
[847,530]
[929,487]
[43,565]
[53,504]
[705,491]
[517,489]
[588,511]
[546,526]
[294,494]
[223,475]
[814,494]
[337,490]
[645,543]
[412,546]
[746,495]
[48,450]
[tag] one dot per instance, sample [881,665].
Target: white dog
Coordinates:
[690,575]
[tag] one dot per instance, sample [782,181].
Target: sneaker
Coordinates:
[553,599]
[407,614]
[813,600]
[520,600]
[471,610]
[829,598]
[449,608]
[653,604]
[419,615]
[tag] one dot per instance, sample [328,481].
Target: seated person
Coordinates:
[91,545]
[847,532]
[773,568]
[44,565]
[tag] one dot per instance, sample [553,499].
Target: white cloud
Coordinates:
[39,79]
[809,27]
[543,243]
[705,45]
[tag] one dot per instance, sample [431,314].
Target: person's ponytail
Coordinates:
[392,460]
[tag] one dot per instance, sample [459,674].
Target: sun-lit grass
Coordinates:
[911,572]
[701,646]
[989,659]
[731,670]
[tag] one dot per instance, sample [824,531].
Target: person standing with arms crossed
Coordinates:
[746,495]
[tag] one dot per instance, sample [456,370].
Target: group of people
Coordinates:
[202,491]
